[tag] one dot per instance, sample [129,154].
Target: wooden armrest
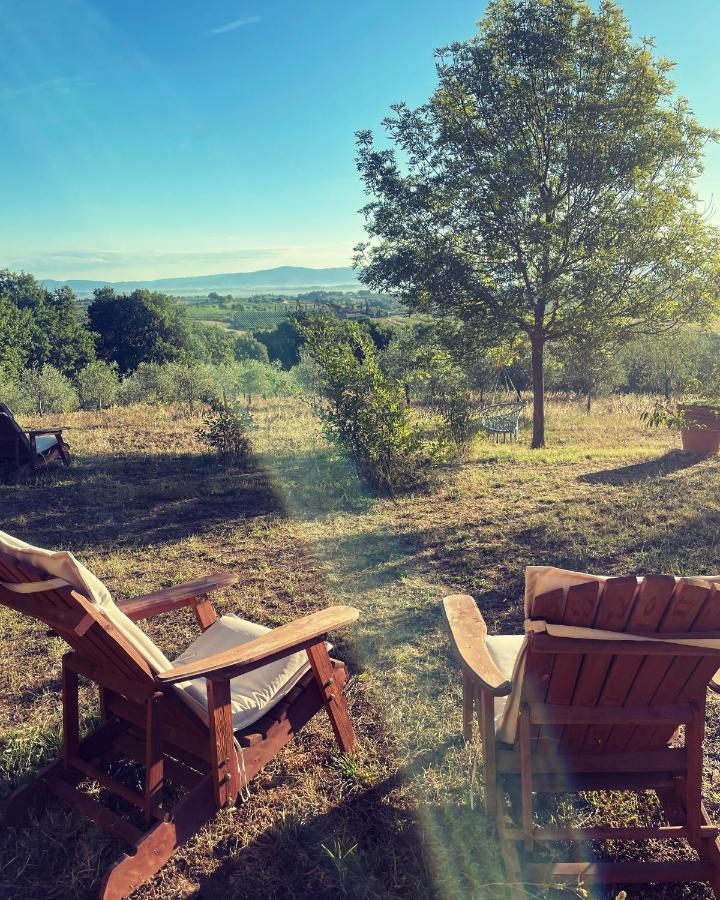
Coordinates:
[278,643]
[468,632]
[176,597]
[36,431]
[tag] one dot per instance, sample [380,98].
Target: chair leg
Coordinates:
[486,721]
[224,765]
[333,697]
[526,777]
[71,714]
[154,760]
[468,706]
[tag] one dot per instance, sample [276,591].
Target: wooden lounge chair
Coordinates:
[152,716]
[28,452]
[591,699]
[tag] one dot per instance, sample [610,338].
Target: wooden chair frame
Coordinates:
[26,457]
[144,719]
[534,764]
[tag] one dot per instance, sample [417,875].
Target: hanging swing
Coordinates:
[501,416]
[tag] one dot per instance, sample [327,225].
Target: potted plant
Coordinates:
[698,423]
[700,427]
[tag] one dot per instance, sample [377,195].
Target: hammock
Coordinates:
[502,417]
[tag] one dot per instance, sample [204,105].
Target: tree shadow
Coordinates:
[672,461]
[136,500]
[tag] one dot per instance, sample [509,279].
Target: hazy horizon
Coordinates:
[160,140]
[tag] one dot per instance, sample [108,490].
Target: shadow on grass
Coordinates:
[673,461]
[135,500]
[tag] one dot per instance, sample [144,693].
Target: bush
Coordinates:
[364,412]
[226,430]
[248,347]
[98,385]
[47,390]
[171,383]
[10,393]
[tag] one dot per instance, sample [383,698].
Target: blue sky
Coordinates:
[158,138]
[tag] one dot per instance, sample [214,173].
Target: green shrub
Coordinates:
[226,430]
[364,411]
[47,390]
[10,393]
[98,384]
[248,347]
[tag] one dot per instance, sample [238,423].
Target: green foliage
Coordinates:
[226,430]
[546,188]
[664,415]
[10,392]
[185,385]
[140,327]
[213,344]
[47,390]
[40,327]
[673,363]
[98,385]
[364,411]
[283,342]
[248,347]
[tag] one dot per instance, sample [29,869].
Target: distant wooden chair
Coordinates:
[23,452]
[589,699]
[205,724]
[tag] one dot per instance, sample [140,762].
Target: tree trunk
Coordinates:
[589,403]
[538,375]
[667,388]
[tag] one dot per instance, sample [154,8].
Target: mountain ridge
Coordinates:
[277,278]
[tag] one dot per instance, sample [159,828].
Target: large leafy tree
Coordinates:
[40,327]
[143,326]
[546,188]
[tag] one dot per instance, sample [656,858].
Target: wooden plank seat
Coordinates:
[147,717]
[607,673]
[25,452]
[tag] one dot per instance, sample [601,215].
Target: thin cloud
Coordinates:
[231,26]
[51,86]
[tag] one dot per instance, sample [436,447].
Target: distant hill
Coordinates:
[288,279]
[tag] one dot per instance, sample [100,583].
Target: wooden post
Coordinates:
[204,612]
[333,697]
[694,734]
[486,721]
[468,703]
[71,713]
[154,766]
[526,775]
[223,759]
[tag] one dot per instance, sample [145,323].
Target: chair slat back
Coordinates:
[78,621]
[14,443]
[657,605]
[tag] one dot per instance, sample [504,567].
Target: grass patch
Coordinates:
[144,507]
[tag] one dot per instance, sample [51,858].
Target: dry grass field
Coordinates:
[144,506]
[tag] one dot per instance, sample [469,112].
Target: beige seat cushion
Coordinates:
[253,693]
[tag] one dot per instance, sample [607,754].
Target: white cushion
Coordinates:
[504,650]
[253,693]
[45,442]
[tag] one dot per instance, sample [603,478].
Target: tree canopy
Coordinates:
[143,326]
[40,327]
[546,187]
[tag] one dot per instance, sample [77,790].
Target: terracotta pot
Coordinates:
[705,439]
